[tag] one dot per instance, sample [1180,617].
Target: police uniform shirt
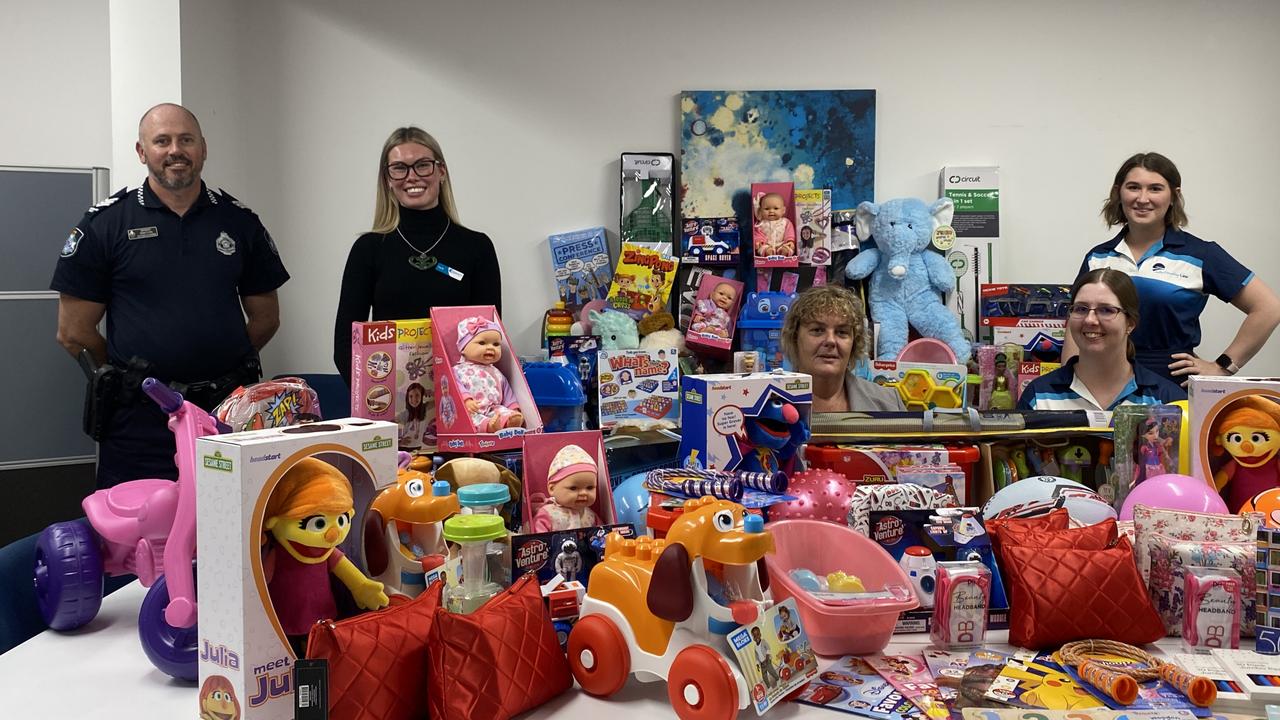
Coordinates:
[1062,390]
[172,284]
[1174,278]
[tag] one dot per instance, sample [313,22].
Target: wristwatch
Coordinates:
[1226,363]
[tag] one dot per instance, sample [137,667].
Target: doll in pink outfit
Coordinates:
[571,483]
[773,233]
[486,393]
[711,314]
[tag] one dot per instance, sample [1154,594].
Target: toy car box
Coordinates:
[390,360]
[453,422]
[721,412]
[710,241]
[241,638]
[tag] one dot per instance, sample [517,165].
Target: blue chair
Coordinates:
[335,396]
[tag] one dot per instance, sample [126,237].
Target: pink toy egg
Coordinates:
[820,494]
[1173,492]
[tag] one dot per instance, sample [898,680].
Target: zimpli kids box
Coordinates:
[813,226]
[454,427]
[744,422]
[241,636]
[391,378]
[638,387]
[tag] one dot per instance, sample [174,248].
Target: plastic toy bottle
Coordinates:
[558,393]
[488,499]
[472,533]
[556,323]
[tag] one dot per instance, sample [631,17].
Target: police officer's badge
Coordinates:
[225,244]
[73,242]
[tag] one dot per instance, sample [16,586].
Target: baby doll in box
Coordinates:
[773,234]
[486,393]
[571,483]
[713,315]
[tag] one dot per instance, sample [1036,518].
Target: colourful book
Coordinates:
[1041,684]
[580,264]
[851,685]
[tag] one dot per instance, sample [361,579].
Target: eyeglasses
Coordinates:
[1105,312]
[422,168]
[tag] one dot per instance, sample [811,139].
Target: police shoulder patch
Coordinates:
[108,202]
[73,242]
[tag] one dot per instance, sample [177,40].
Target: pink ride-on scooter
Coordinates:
[141,527]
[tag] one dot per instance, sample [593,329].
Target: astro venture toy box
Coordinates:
[243,642]
[744,422]
[391,378]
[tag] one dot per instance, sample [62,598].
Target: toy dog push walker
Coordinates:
[651,609]
[141,527]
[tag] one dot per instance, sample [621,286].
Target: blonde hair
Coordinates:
[825,300]
[310,487]
[386,211]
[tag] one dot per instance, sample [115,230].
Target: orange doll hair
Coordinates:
[310,487]
[1253,411]
[218,682]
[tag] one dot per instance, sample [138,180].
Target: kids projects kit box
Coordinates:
[391,378]
[242,639]
[723,416]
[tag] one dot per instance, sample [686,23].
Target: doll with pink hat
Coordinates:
[486,393]
[571,483]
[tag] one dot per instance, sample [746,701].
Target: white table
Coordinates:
[100,671]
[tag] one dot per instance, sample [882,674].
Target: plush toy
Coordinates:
[617,330]
[906,276]
[1250,433]
[658,331]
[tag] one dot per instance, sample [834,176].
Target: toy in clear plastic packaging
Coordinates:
[774,235]
[486,393]
[645,197]
[760,325]
[960,609]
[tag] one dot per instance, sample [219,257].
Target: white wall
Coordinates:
[534,101]
[146,48]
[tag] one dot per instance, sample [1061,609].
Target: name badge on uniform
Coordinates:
[143,232]
[455,274]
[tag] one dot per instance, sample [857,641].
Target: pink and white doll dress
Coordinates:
[483,383]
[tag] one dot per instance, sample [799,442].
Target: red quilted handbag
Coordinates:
[499,661]
[1058,519]
[377,661]
[1060,594]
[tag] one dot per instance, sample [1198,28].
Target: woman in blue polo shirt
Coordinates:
[1102,321]
[1175,273]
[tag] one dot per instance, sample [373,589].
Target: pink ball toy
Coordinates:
[1173,492]
[820,494]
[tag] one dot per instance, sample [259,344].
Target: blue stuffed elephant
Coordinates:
[907,277]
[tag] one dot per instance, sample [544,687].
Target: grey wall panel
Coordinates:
[37,211]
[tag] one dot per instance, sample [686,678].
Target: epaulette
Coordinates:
[231,199]
[113,199]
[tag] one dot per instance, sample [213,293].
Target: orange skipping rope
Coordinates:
[1121,683]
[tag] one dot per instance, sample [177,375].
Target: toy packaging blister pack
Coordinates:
[744,422]
[710,241]
[639,388]
[774,655]
[1146,445]
[489,392]
[645,210]
[773,233]
[580,264]
[813,226]
[1031,316]
[568,553]
[1228,412]
[251,590]
[714,316]
[923,386]
[643,279]
[391,378]
[844,230]
[582,352]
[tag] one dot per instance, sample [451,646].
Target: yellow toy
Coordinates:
[403,536]
[839,581]
[649,609]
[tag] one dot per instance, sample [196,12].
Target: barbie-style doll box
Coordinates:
[454,427]
[244,650]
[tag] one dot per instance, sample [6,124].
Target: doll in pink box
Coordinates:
[571,483]
[486,393]
[773,234]
[711,314]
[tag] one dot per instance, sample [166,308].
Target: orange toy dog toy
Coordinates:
[403,532]
[648,610]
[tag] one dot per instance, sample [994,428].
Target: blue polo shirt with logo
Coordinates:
[1060,390]
[1175,278]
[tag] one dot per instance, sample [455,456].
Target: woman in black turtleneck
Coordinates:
[417,256]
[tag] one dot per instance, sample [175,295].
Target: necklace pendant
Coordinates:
[422,261]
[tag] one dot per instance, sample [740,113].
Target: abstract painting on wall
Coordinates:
[812,138]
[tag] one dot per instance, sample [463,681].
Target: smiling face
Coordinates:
[723,296]
[1251,446]
[218,699]
[772,207]
[414,192]
[485,348]
[171,146]
[576,491]
[311,539]
[1145,197]
[1094,336]
[825,344]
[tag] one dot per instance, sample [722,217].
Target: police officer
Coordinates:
[189,276]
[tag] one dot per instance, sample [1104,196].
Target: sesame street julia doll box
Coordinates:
[753,422]
[1236,443]
[279,519]
[483,401]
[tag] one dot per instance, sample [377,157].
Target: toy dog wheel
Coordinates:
[68,575]
[701,685]
[172,650]
[599,656]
